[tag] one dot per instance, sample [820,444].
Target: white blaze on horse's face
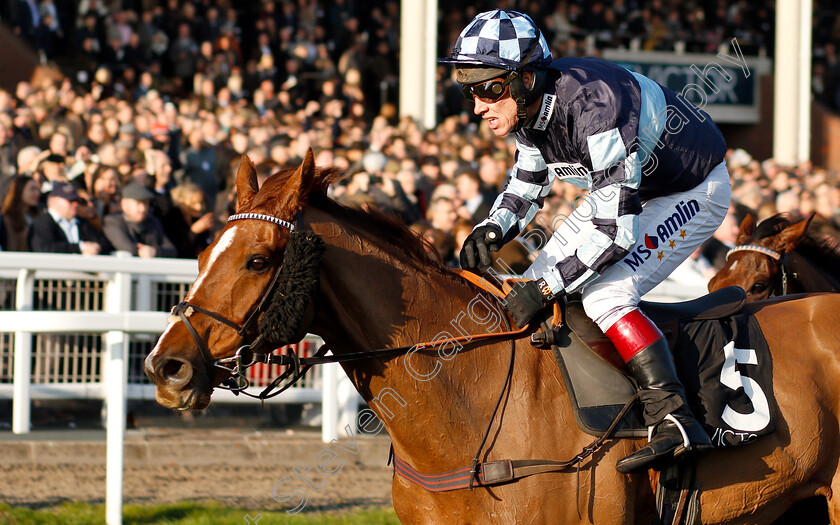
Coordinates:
[223,244]
[734,264]
[156,349]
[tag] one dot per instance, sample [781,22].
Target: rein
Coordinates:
[246,357]
[780,258]
[479,473]
[249,354]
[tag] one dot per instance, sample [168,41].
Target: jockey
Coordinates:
[658,187]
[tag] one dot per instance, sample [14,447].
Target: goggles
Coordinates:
[494,89]
[490,90]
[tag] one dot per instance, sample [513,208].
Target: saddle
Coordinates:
[719,351]
[594,372]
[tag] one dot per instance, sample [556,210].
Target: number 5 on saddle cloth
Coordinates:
[721,355]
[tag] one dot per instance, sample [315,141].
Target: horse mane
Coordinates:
[773,226]
[820,248]
[386,232]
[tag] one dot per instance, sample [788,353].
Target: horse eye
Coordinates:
[758,287]
[257,263]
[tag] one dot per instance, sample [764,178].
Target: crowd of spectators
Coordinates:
[297,44]
[137,150]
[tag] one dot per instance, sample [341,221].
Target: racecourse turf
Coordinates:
[187,513]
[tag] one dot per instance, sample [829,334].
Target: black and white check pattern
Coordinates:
[501,39]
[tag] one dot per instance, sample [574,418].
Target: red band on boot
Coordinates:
[633,333]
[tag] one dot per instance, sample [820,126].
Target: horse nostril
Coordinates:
[176,372]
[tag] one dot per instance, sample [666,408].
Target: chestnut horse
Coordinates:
[778,257]
[379,289]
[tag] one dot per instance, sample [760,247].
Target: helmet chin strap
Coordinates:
[520,95]
[518,91]
[521,113]
[521,108]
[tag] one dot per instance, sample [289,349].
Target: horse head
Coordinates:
[756,264]
[238,274]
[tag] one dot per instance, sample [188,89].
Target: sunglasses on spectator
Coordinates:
[489,90]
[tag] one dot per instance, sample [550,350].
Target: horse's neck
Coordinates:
[370,301]
[377,298]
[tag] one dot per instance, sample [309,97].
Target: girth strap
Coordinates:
[505,470]
[490,473]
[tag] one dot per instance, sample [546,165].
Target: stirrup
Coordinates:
[661,454]
[680,427]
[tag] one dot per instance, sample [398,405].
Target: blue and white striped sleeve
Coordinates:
[527,187]
[612,210]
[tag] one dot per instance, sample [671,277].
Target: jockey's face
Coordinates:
[500,114]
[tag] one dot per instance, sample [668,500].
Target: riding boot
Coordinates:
[672,429]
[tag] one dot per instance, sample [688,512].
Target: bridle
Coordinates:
[253,353]
[780,258]
[250,354]
[184,310]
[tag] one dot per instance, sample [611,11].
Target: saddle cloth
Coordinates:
[722,359]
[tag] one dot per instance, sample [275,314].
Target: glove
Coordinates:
[527,299]
[475,254]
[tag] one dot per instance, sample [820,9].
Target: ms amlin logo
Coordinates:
[656,242]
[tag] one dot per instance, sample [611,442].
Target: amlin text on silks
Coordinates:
[662,235]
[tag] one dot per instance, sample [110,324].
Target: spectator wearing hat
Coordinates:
[430,167]
[61,231]
[429,177]
[127,131]
[159,131]
[50,168]
[134,229]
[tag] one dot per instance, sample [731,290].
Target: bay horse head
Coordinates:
[759,262]
[228,306]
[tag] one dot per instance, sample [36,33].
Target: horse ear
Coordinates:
[787,240]
[246,183]
[302,182]
[746,230]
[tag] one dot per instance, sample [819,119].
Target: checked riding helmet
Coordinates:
[501,44]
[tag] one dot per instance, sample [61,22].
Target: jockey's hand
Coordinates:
[525,300]
[475,254]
